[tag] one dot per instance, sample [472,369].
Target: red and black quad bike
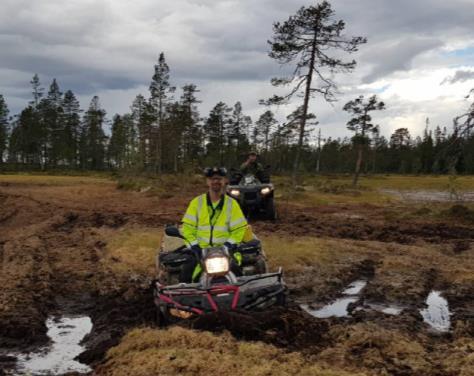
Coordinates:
[218,288]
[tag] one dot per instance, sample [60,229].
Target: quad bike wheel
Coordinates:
[270,210]
[161,316]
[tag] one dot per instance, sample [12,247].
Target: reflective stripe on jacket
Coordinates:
[228,223]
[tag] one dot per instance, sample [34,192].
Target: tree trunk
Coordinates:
[374,161]
[318,161]
[307,93]
[175,165]
[358,165]
[159,142]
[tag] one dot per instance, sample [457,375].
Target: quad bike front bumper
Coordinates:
[250,293]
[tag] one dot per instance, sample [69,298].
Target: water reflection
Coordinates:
[437,313]
[66,333]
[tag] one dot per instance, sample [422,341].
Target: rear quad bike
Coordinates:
[255,194]
[218,288]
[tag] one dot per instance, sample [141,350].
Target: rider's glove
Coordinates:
[229,247]
[197,251]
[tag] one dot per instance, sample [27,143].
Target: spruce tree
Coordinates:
[27,141]
[117,149]
[193,133]
[143,118]
[51,112]
[131,142]
[37,91]
[33,126]
[216,129]
[238,131]
[72,125]
[93,136]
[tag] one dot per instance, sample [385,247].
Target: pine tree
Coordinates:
[265,125]
[215,127]
[51,112]
[131,143]
[143,118]
[192,134]
[238,129]
[72,125]
[4,127]
[32,125]
[117,149]
[93,137]
[37,91]
[307,38]
[160,95]
[361,125]
[27,139]
[426,150]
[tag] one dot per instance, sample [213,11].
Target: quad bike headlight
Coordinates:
[265,191]
[217,265]
[234,192]
[180,313]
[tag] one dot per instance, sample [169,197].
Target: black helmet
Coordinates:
[211,171]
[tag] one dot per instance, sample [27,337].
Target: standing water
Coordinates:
[437,313]
[338,308]
[66,333]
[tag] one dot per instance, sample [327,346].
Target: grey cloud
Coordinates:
[104,47]
[385,19]
[397,57]
[459,76]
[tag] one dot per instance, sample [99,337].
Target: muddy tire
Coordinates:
[161,317]
[281,299]
[261,266]
[270,211]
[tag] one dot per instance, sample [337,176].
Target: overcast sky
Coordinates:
[419,58]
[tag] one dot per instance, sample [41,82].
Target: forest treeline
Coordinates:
[165,132]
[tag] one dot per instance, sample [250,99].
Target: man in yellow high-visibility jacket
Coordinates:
[212,219]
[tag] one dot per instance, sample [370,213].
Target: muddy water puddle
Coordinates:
[384,308]
[338,308]
[351,295]
[65,333]
[437,314]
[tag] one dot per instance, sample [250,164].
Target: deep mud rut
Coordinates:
[52,251]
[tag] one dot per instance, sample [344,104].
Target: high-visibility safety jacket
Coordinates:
[208,226]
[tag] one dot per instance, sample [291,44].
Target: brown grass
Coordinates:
[370,346]
[53,180]
[178,351]
[402,272]
[133,251]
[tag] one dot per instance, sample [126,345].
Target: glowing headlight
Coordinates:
[234,192]
[217,265]
[265,191]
